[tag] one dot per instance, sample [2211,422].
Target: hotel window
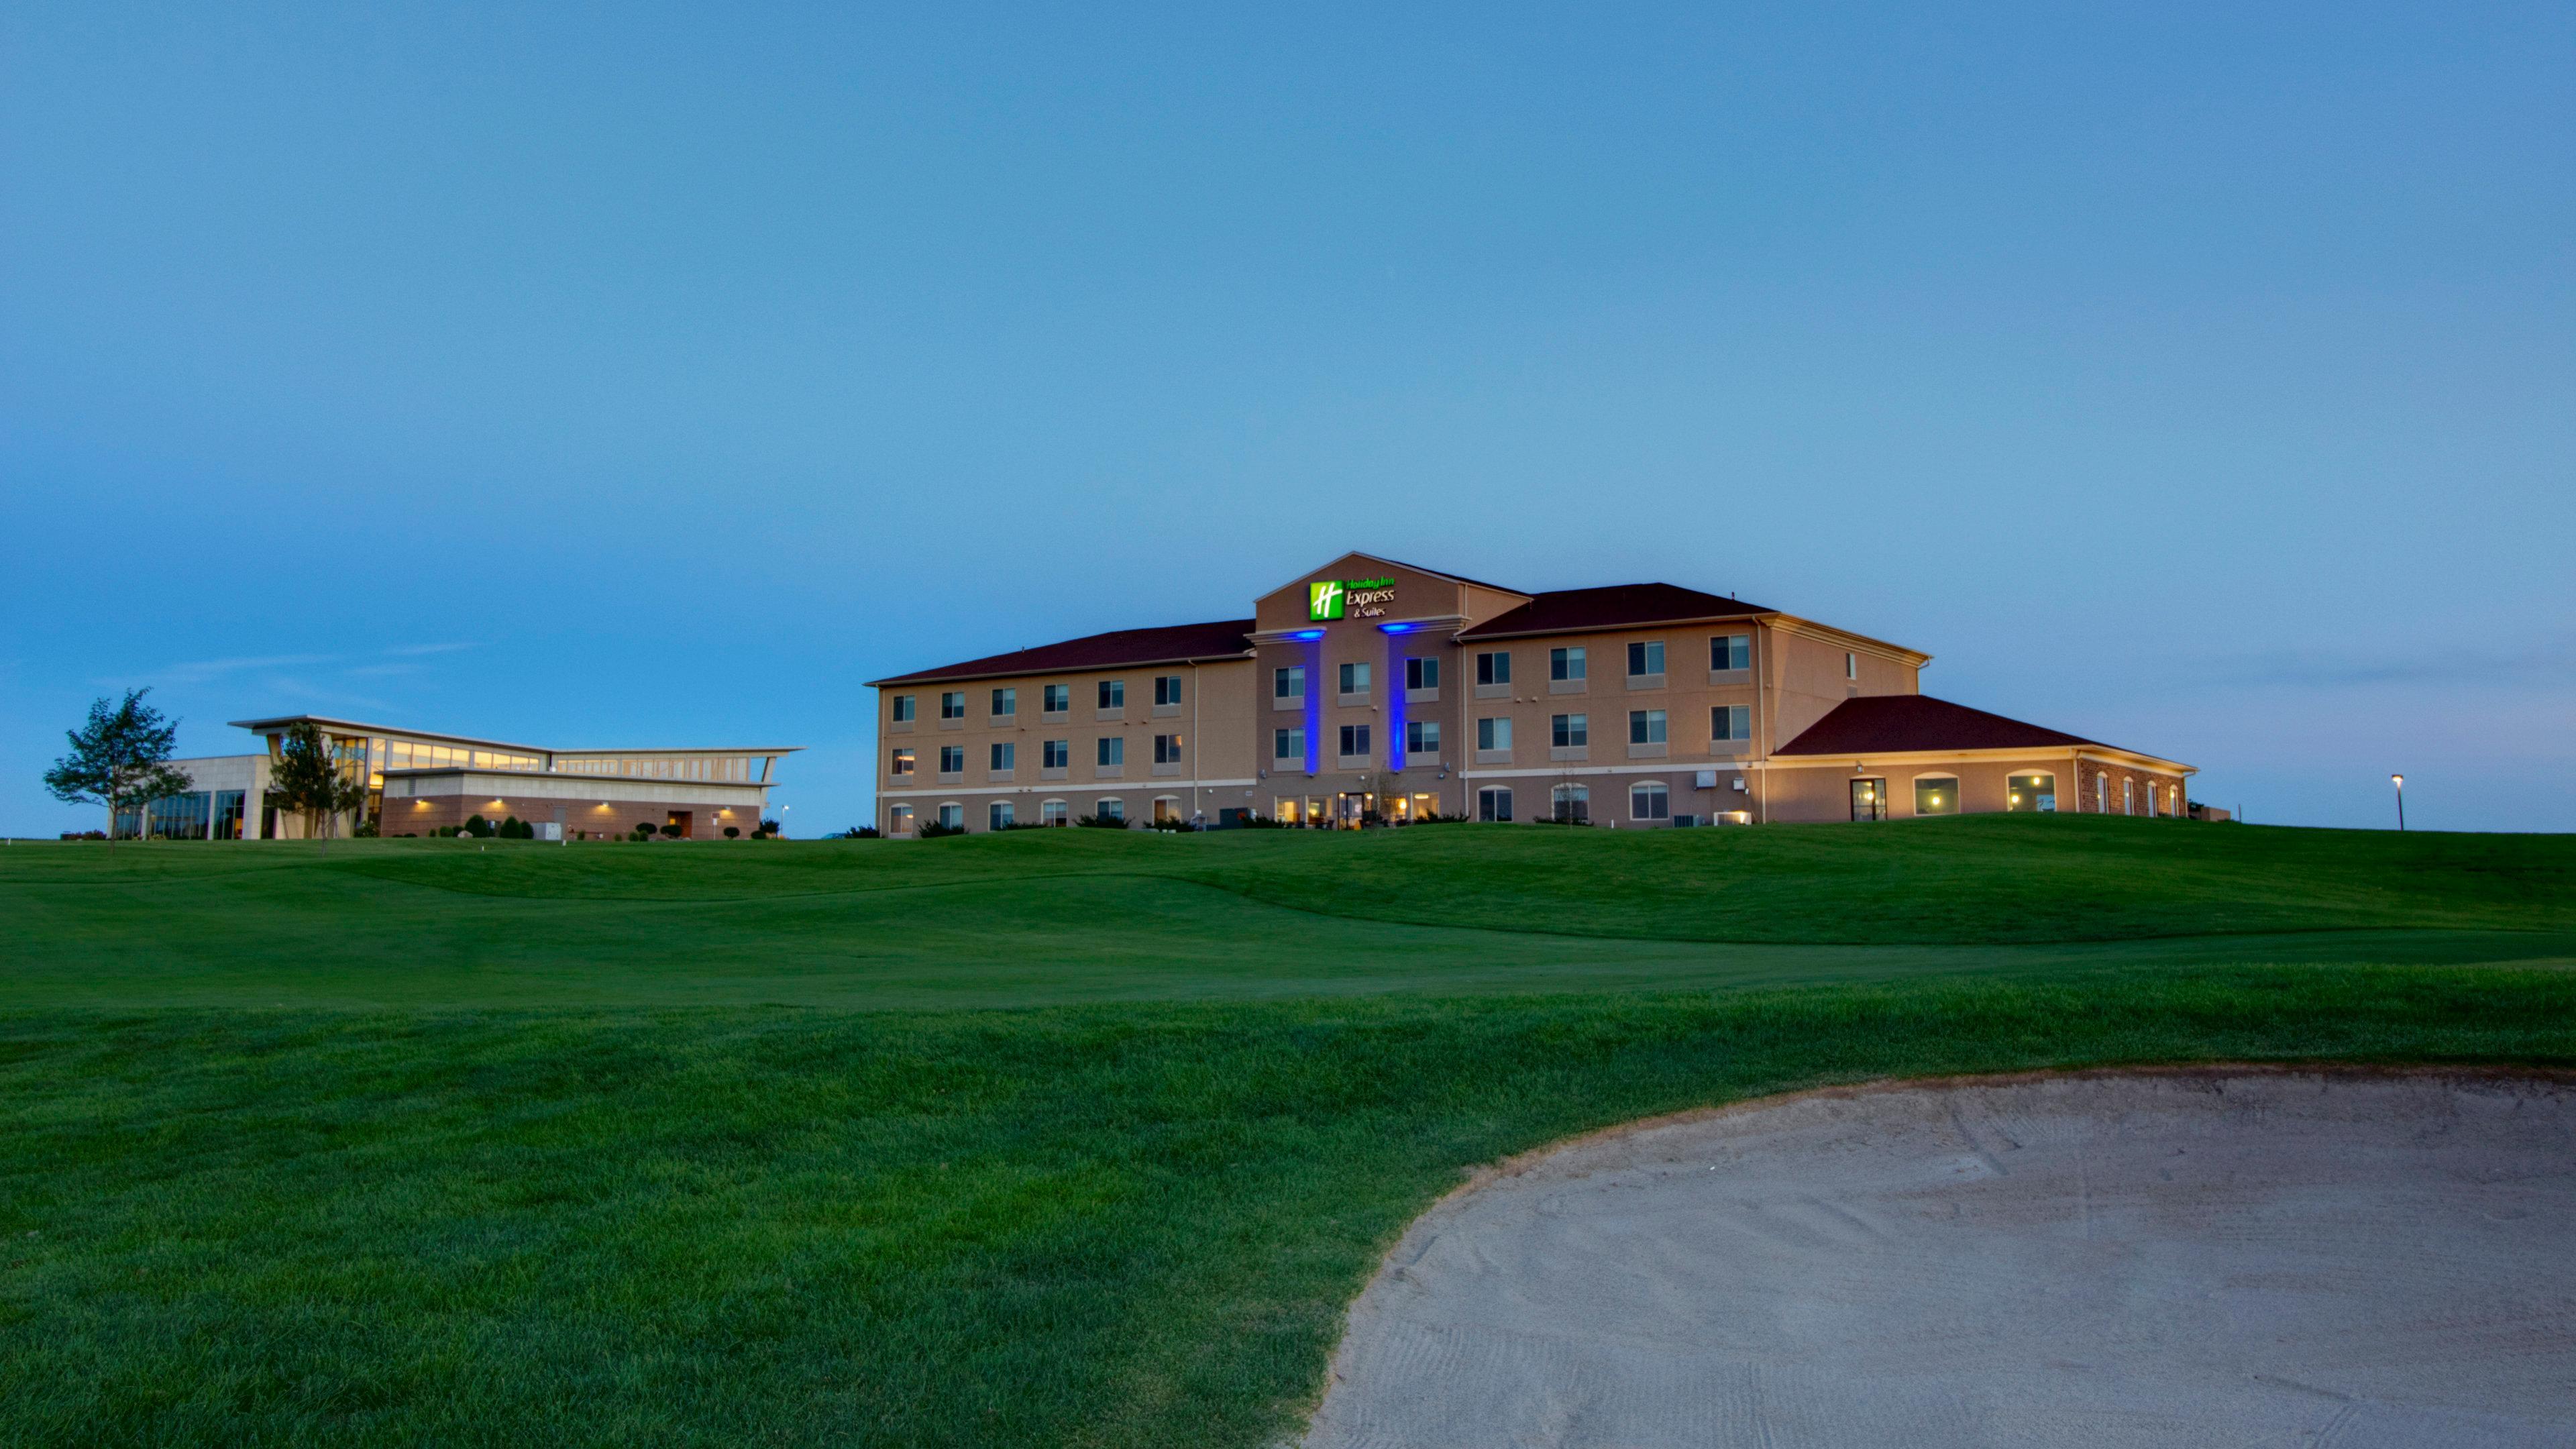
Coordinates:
[1494,668]
[1001,816]
[2128,797]
[1355,679]
[1005,702]
[1422,737]
[1051,813]
[1730,651]
[1167,689]
[899,820]
[1113,751]
[1055,754]
[1570,730]
[1422,674]
[1851,666]
[2101,795]
[2033,793]
[1167,749]
[953,815]
[1649,800]
[1288,683]
[903,704]
[1355,740]
[1113,694]
[1288,744]
[1058,698]
[1730,722]
[1571,804]
[1645,726]
[1565,664]
[902,762]
[1006,755]
[1868,799]
[952,759]
[1493,734]
[952,704]
[1109,809]
[1646,658]
[1936,795]
[1494,804]
[1167,809]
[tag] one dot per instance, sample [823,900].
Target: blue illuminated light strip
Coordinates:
[1394,702]
[1314,660]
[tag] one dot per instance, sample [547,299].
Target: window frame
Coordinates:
[1662,796]
[1280,678]
[1648,653]
[1112,694]
[956,751]
[1569,731]
[906,706]
[1494,732]
[904,762]
[1494,666]
[1567,664]
[1494,804]
[1649,727]
[1004,755]
[1005,702]
[952,697]
[1935,778]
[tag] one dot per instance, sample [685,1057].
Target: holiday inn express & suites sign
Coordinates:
[1348,598]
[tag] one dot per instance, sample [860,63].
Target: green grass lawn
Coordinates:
[1062,1138]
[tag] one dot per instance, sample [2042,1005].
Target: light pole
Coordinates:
[2400,782]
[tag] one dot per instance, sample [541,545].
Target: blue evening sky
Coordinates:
[2201,378]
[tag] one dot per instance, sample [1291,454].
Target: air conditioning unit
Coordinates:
[1706,780]
[1739,786]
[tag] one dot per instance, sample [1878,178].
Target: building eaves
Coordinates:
[1117,649]
[1614,606]
[1884,724]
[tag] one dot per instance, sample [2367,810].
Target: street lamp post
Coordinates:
[2400,782]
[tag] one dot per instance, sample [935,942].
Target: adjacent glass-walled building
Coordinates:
[421,782]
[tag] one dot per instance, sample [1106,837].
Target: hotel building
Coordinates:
[419,782]
[1376,690]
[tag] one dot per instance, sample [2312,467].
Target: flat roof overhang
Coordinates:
[351,726]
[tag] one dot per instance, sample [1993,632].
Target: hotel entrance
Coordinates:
[1351,808]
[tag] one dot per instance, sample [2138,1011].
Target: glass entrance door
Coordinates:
[1869,799]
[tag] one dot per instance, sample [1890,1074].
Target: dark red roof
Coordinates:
[1884,724]
[1117,649]
[1618,606]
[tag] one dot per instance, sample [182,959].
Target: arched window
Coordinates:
[1936,794]
[2102,794]
[1110,808]
[898,819]
[952,814]
[1648,800]
[1167,809]
[2128,797]
[2032,792]
[1001,816]
[1571,803]
[1052,812]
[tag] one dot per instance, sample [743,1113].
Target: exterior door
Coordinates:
[1869,799]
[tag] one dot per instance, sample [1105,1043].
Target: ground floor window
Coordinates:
[953,816]
[1002,816]
[1649,800]
[1051,813]
[2101,794]
[1571,804]
[1167,809]
[1936,795]
[2035,792]
[1868,799]
[178,817]
[228,814]
[1494,803]
[899,820]
[1110,809]
[2128,797]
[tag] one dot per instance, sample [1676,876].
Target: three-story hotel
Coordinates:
[1375,690]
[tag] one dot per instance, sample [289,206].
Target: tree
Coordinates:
[306,780]
[120,759]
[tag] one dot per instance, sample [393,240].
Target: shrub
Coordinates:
[860,832]
[933,830]
[478,827]
[84,835]
[1100,822]
[671,830]
[768,827]
[644,828]
[367,830]
[733,832]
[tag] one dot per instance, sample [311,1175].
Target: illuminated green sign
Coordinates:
[1359,598]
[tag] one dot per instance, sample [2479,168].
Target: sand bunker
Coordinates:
[2236,1258]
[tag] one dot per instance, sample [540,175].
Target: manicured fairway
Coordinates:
[415,1143]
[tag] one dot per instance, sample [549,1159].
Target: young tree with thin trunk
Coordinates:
[119,759]
[305,780]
